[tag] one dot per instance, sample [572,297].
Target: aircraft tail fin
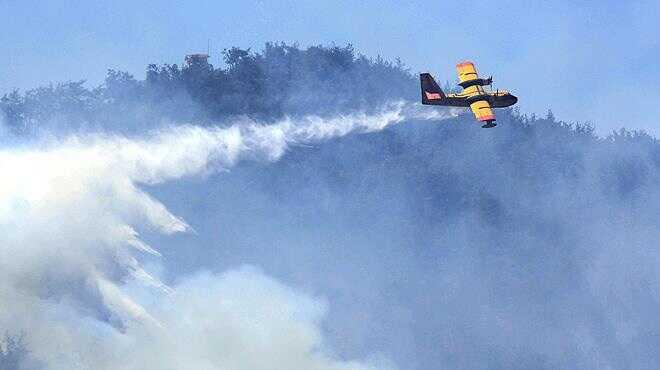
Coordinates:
[431,92]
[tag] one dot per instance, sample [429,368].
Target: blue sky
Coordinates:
[588,61]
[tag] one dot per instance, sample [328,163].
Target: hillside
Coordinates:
[437,244]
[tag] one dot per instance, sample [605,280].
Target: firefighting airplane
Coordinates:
[473,95]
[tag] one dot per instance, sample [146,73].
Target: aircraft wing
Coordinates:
[472,85]
[482,111]
[466,72]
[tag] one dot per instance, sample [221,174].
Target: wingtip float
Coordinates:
[480,100]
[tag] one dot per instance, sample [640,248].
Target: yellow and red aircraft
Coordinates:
[480,100]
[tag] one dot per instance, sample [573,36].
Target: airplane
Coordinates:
[473,95]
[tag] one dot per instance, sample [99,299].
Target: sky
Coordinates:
[590,61]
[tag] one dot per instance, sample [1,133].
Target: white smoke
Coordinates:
[70,280]
[429,113]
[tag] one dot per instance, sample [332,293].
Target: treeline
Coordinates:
[280,79]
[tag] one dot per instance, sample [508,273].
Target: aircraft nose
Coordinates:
[514,99]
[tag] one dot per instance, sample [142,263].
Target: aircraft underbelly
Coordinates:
[461,103]
[450,102]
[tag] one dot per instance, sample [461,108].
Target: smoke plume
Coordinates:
[72,279]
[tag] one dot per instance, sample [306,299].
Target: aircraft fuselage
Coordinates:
[496,99]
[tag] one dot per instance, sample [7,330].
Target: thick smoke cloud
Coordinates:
[70,251]
[238,320]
